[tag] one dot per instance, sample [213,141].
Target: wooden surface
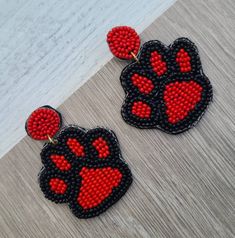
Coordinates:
[183,185]
[51,47]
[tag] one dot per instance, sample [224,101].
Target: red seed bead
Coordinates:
[159,66]
[58,186]
[102,147]
[144,84]
[123,40]
[183,59]
[76,147]
[43,122]
[181,98]
[97,185]
[141,109]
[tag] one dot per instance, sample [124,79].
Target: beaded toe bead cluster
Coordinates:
[141,109]
[167,88]
[102,147]
[183,59]
[57,186]
[158,65]
[144,84]
[60,162]
[75,147]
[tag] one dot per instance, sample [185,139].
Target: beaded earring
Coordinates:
[81,167]
[165,86]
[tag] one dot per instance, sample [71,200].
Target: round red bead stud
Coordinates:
[43,123]
[124,42]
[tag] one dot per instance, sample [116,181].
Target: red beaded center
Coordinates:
[123,40]
[144,84]
[159,66]
[141,109]
[42,123]
[180,99]
[97,185]
[61,162]
[102,147]
[76,147]
[183,59]
[58,186]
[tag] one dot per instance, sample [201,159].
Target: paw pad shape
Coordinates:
[167,89]
[84,169]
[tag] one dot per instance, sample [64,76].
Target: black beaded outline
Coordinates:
[158,119]
[90,160]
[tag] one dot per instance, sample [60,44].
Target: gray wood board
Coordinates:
[183,185]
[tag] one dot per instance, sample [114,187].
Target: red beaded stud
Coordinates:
[123,42]
[43,123]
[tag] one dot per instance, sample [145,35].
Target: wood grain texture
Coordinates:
[183,185]
[52,47]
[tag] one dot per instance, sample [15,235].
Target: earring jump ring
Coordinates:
[135,57]
[51,140]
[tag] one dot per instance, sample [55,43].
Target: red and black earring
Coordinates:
[83,168]
[165,87]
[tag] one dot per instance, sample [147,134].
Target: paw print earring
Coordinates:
[81,167]
[165,86]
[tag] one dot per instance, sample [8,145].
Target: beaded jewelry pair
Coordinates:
[165,89]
